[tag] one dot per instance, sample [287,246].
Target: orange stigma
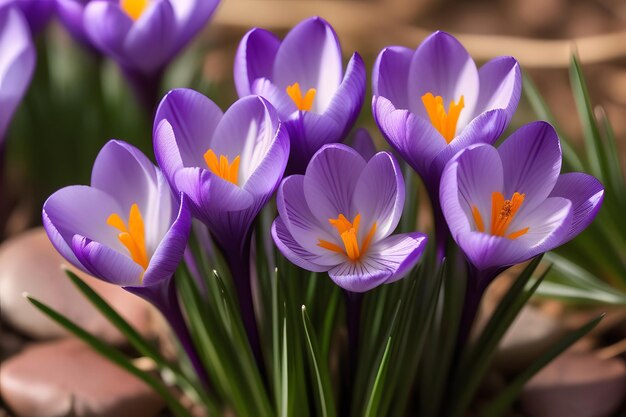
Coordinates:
[133,236]
[349,236]
[134,8]
[222,167]
[302,103]
[444,122]
[502,214]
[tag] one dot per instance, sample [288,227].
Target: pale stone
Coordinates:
[67,378]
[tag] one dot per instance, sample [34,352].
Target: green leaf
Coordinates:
[113,355]
[322,383]
[377,390]
[503,401]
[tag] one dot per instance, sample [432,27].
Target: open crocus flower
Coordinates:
[339,215]
[36,12]
[17,62]
[229,164]
[126,228]
[302,76]
[142,35]
[506,205]
[432,102]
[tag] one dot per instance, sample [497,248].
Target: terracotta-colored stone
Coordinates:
[576,385]
[29,263]
[67,378]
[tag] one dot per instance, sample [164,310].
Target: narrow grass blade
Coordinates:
[377,390]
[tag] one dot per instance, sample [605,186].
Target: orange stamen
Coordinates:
[133,236]
[502,214]
[444,122]
[348,232]
[302,103]
[222,167]
[134,8]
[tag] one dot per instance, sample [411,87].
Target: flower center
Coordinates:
[444,122]
[132,237]
[302,103]
[349,236]
[502,214]
[222,167]
[134,8]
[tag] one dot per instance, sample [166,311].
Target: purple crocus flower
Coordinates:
[17,62]
[302,76]
[36,12]
[339,215]
[432,102]
[229,164]
[127,228]
[506,205]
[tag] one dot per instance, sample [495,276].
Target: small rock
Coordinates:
[576,385]
[29,263]
[67,378]
[531,334]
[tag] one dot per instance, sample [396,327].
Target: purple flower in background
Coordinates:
[362,142]
[339,215]
[302,76]
[506,205]
[36,12]
[432,102]
[127,228]
[17,62]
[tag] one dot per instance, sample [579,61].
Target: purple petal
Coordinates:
[304,228]
[292,250]
[36,12]
[330,181]
[363,143]
[254,59]
[191,120]
[469,180]
[191,16]
[278,97]
[248,129]
[107,26]
[586,194]
[359,276]
[105,263]
[150,41]
[71,13]
[310,54]
[308,132]
[379,195]
[169,253]
[390,75]
[398,253]
[442,66]
[348,100]
[414,138]
[17,62]
[531,159]
[500,86]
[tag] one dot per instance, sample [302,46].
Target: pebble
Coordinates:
[576,385]
[29,263]
[67,378]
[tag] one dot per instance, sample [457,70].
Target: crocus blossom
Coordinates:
[432,102]
[339,215]
[506,205]
[127,228]
[17,62]
[142,35]
[302,76]
[229,164]
[36,12]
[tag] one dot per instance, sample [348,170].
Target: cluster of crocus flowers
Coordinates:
[339,215]
[508,204]
[302,76]
[17,62]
